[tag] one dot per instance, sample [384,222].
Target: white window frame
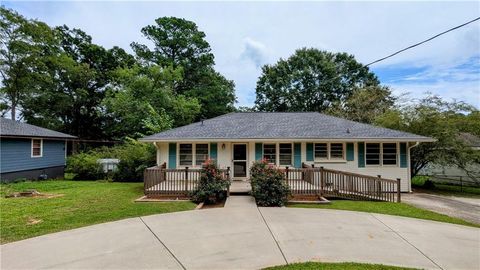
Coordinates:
[329,158]
[291,155]
[277,153]
[397,154]
[41,148]
[194,154]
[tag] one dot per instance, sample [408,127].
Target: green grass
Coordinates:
[418,183]
[82,203]
[335,266]
[389,208]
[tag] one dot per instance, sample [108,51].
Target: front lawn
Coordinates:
[80,203]
[389,208]
[335,266]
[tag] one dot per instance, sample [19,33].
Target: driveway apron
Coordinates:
[242,236]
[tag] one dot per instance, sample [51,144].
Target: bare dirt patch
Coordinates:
[33,221]
[32,194]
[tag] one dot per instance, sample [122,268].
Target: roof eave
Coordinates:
[406,139]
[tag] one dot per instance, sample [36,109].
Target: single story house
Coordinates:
[31,152]
[293,139]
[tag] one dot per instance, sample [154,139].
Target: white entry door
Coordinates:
[240,161]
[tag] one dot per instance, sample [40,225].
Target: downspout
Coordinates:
[158,152]
[409,166]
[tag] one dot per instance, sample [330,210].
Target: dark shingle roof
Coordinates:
[12,128]
[469,139]
[263,125]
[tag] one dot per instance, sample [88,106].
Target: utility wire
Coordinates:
[420,43]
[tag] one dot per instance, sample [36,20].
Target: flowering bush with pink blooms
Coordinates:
[212,187]
[268,184]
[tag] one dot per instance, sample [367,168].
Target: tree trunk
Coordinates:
[13,111]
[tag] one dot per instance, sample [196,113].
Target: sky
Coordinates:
[244,36]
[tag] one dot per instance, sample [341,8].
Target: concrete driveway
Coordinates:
[464,208]
[242,236]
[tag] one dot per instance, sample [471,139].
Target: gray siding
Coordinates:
[15,155]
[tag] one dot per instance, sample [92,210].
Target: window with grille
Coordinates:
[372,154]
[285,153]
[336,151]
[186,154]
[37,148]
[389,154]
[321,151]
[270,152]
[201,153]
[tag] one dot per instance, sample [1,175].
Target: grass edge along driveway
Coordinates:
[74,204]
[335,266]
[387,208]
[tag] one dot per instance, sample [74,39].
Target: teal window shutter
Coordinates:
[350,152]
[213,151]
[361,154]
[403,155]
[297,155]
[258,151]
[309,151]
[172,155]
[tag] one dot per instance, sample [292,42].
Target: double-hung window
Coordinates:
[372,154]
[285,154]
[186,154]
[190,154]
[381,154]
[321,151]
[279,154]
[270,152]
[329,151]
[37,147]
[201,153]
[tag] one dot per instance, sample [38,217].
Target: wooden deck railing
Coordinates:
[311,182]
[174,183]
[305,183]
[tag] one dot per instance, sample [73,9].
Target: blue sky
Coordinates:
[246,35]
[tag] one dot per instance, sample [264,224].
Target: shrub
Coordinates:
[134,158]
[212,187]
[269,187]
[85,166]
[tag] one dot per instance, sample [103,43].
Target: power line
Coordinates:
[420,43]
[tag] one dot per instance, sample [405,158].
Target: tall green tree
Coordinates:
[141,102]
[365,104]
[310,80]
[179,43]
[25,46]
[434,117]
[80,72]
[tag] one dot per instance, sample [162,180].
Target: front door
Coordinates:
[239,161]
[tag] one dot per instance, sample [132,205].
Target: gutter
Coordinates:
[358,139]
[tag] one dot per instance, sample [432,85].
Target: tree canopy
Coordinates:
[310,80]
[179,43]
[56,77]
[434,117]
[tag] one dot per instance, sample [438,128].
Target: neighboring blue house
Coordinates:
[31,152]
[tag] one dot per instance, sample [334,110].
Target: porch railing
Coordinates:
[174,183]
[311,182]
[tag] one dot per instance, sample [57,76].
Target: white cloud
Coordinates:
[255,51]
